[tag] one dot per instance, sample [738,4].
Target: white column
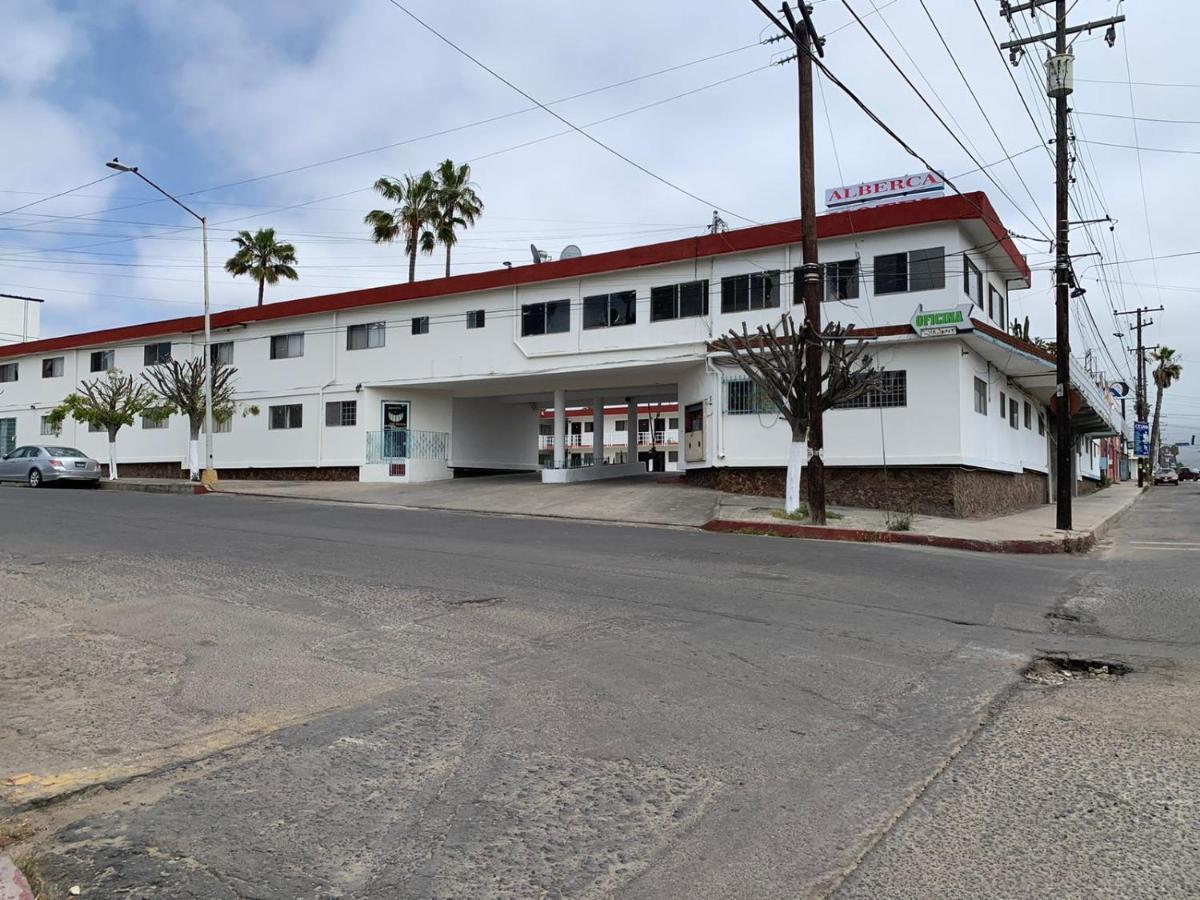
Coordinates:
[560,429]
[632,428]
[598,432]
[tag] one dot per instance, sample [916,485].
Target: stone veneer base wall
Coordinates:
[284,473]
[931,491]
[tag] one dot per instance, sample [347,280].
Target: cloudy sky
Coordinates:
[282,114]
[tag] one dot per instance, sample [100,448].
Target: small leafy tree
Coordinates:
[107,403]
[181,387]
[263,258]
[773,358]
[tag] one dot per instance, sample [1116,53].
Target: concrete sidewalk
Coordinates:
[655,500]
[1032,531]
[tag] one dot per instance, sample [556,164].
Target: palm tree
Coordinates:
[416,209]
[1166,373]
[458,204]
[263,258]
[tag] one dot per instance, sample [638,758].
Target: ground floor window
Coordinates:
[289,415]
[48,430]
[892,391]
[981,396]
[341,412]
[8,436]
[744,397]
[154,422]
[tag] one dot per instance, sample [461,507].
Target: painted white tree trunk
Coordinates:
[794,468]
[112,460]
[194,459]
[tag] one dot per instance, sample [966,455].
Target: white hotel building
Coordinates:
[445,377]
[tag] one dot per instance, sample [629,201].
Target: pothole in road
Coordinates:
[475,601]
[1060,616]
[1057,669]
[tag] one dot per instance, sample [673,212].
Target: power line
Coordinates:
[59,194]
[565,121]
[1079,112]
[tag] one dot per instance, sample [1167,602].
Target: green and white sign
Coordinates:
[940,322]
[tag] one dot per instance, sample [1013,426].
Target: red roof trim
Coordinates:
[839,224]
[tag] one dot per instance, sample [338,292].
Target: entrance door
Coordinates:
[693,433]
[395,429]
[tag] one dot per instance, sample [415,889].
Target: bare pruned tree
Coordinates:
[107,403]
[773,358]
[181,386]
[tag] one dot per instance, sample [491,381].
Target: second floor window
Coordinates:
[610,310]
[221,353]
[476,318]
[8,372]
[553,317]
[287,346]
[981,396]
[367,336]
[157,354]
[420,325]
[916,270]
[758,290]
[972,281]
[679,301]
[102,360]
[53,367]
[840,281]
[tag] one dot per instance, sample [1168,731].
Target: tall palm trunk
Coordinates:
[1158,394]
[261,284]
[447,260]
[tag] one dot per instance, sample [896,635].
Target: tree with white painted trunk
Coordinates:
[773,358]
[181,387]
[107,404]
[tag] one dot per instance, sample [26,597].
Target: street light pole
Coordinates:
[209,476]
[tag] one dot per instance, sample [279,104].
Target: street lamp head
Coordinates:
[120,166]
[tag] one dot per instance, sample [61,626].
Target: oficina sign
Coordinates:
[942,322]
[889,190]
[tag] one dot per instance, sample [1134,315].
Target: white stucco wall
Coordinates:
[490,434]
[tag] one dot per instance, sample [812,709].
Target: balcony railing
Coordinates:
[406,443]
[611,439]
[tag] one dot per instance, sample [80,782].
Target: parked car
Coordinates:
[1186,474]
[1165,476]
[40,464]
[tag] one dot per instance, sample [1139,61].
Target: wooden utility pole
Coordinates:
[1141,405]
[806,39]
[1059,85]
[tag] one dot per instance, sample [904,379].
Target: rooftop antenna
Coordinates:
[717,225]
[571,251]
[539,256]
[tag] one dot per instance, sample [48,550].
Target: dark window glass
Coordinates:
[1028,415]
[735,293]
[662,302]
[764,290]
[558,317]
[972,281]
[221,354]
[927,269]
[367,336]
[892,391]
[475,318]
[341,412]
[891,273]
[420,325]
[622,308]
[290,415]
[8,372]
[693,299]
[840,282]
[287,346]
[595,311]
[102,360]
[156,354]
[533,319]
[53,367]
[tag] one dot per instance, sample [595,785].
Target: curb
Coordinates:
[183,487]
[1080,544]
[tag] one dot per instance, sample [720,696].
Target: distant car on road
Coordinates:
[42,463]
[1186,474]
[1166,476]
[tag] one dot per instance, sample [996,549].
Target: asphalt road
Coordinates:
[227,697]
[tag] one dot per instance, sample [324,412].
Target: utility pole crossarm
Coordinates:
[1050,35]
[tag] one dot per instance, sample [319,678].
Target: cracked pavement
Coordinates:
[237,697]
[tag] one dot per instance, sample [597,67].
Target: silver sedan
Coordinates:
[40,464]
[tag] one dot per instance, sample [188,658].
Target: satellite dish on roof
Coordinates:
[539,256]
[571,251]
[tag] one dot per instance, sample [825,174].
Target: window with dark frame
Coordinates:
[420,325]
[53,367]
[9,372]
[891,273]
[1003,405]
[102,360]
[341,413]
[756,290]
[1028,416]
[1013,413]
[743,397]
[287,346]
[366,336]
[551,317]
[49,429]
[157,354]
[917,270]
[610,310]
[288,415]
[476,318]
[1041,423]
[221,353]
[981,396]
[679,301]
[995,304]
[152,423]
[972,281]
[840,281]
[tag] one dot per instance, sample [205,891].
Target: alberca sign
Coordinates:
[905,187]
